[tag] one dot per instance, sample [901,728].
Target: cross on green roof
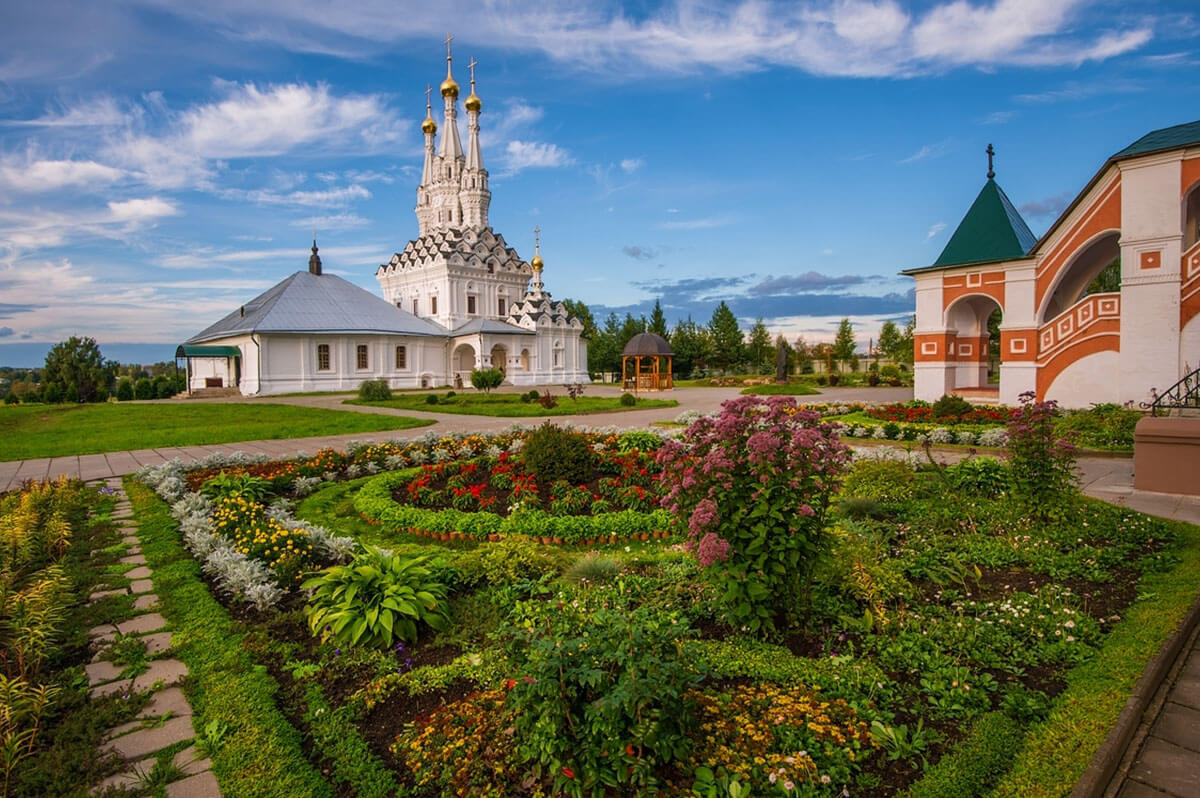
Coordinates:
[992,230]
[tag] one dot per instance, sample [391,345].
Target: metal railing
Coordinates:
[1183,395]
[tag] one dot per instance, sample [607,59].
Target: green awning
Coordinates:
[208,351]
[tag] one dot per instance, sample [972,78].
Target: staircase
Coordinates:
[208,393]
[1182,397]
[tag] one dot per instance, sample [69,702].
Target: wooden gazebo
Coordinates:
[642,364]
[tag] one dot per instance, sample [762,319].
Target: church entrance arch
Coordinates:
[973,320]
[524,360]
[499,359]
[462,364]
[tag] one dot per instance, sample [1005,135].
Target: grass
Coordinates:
[787,389]
[55,430]
[259,753]
[509,405]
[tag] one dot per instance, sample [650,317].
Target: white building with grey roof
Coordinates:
[455,299]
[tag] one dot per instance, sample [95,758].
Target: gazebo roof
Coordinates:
[647,345]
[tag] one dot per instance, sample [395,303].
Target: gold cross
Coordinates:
[471,66]
[428,91]
[537,237]
[449,39]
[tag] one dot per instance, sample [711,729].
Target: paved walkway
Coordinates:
[166,720]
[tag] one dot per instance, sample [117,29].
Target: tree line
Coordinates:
[720,346]
[76,372]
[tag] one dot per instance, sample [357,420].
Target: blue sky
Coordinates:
[162,163]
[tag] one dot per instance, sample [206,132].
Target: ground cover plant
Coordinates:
[513,405]
[924,622]
[50,431]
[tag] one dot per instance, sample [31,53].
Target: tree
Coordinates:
[486,379]
[802,355]
[689,342]
[725,337]
[76,368]
[603,351]
[584,314]
[889,340]
[844,344]
[759,350]
[629,328]
[905,351]
[1107,281]
[658,321]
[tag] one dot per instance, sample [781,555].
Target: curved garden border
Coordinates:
[374,501]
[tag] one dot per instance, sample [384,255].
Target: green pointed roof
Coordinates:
[992,230]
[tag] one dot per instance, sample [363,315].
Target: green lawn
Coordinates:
[54,430]
[509,405]
[788,389]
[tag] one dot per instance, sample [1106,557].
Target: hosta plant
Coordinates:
[377,598]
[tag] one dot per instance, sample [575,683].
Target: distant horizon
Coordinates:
[32,354]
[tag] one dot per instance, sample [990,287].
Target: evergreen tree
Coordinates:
[604,354]
[725,338]
[889,340]
[690,343]
[658,321]
[76,369]
[843,343]
[629,328]
[905,350]
[759,350]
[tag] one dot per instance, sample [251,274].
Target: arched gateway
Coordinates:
[1064,334]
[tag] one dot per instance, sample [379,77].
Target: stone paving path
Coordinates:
[167,719]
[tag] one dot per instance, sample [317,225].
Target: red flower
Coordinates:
[629,750]
[570,774]
[510,684]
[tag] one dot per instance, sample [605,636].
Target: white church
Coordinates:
[456,299]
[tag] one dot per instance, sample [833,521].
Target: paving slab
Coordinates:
[202,785]
[1187,688]
[118,688]
[103,630]
[33,469]
[132,559]
[191,761]
[8,470]
[1167,767]
[168,672]
[1180,725]
[170,700]
[140,586]
[100,595]
[145,601]
[95,466]
[1134,789]
[130,540]
[121,462]
[150,622]
[101,672]
[141,572]
[157,643]
[144,742]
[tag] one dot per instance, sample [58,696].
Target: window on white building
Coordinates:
[401,357]
[322,357]
[432,306]
[501,306]
[361,360]
[470,306]
[414,306]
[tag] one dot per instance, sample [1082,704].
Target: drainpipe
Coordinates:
[257,364]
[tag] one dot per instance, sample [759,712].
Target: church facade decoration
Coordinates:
[455,299]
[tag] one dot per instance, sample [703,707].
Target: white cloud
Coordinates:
[631,165]
[136,210]
[827,37]
[35,176]
[927,152]
[521,155]
[934,229]
[331,222]
[321,198]
[697,224]
[98,112]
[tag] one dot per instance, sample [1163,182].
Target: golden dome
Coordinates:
[473,102]
[449,88]
[429,127]
[537,262]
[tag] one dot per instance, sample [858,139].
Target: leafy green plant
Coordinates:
[374,390]
[515,558]
[638,440]
[210,738]
[378,597]
[628,399]
[881,479]
[951,407]
[231,485]
[1041,464]
[598,693]
[431,399]
[593,568]
[900,742]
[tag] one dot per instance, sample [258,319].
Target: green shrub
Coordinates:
[1105,426]
[593,568]
[552,453]
[1041,465]
[638,440]
[374,391]
[525,399]
[834,379]
[228,486]
[52,394]
[515,558]
[951,407]
[431,399]
[628,399]
[533,395]
[124,389]
[873,378]
[598,695]
[986,477]
[822,379]
[451,394]
[881,480]
[889,370]
[974,764]
[143,388]
[378,597]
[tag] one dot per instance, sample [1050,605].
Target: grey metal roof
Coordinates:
[490,326]
[318,303]
[647,344]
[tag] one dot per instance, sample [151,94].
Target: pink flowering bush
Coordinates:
[750,488]
[1041,463]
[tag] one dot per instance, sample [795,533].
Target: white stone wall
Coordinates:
[1087,381]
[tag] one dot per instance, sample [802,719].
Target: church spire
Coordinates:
[314,261]
[473,106]
[451,143]
[429,128]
